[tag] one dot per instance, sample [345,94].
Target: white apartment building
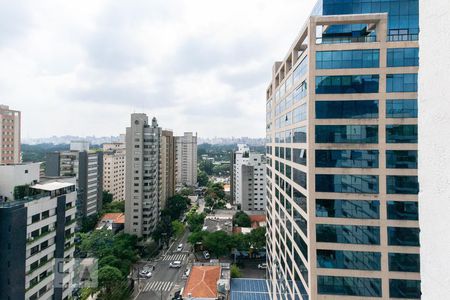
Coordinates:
[143,178]
[17,175]
[9,136]
[38,242]
[249,180]
[186,157]
[114,169]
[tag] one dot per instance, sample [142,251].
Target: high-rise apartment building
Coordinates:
[248,179]
[186,156]
[143,184]
[9,136]
[87,167]
[37,242]
[342,155]
[114,170]
[168,166]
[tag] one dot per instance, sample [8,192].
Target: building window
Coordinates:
[403,210]
[348,234]
[349,286]
[402,185]
[402,57]
[403,236]
[401,108]
[347,134]
[401,159]
[299,114]
[401,134]
[349,109]
[401,83]
[355,209]
[299,135]
[404,262]
[300,156]
[300,178]
[347,84]
[300,199]
[350,260]
[347,158]
[365,184]
[348,59]
[402,288]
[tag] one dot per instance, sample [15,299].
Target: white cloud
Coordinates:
[81,67]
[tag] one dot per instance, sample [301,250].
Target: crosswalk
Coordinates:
[164,286]
[175,257]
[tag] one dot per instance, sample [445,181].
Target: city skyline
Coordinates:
[92,65]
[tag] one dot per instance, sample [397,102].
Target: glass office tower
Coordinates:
[342,155]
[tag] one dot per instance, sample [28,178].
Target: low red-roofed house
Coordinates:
[112,221]
[202,283]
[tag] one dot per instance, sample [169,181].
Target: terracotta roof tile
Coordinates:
[202,282]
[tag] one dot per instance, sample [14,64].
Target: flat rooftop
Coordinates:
[51,186]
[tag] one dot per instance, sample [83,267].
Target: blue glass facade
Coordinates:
[404,262]
[349,84]
[352,260]
[401,83]
[402,185]
[403,210]
[347,134]
[360,184]
[406,289]
[348,234]
[403,236]
[401,108]
[401,134]
[350,109]
[347,59]
[349,286]
[403,15]
[401,159]
[347,158]
[354,209]
[402,57]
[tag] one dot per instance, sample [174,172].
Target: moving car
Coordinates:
[146,272]
[180,248]
[175,264]
[206,254]
[262,266]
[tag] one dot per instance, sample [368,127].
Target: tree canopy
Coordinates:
[241,219]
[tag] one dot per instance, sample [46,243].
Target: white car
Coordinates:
[206,254]
[175,264]
[180,248]
[262,266]
[146,273]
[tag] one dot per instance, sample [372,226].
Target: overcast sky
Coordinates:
[81,67]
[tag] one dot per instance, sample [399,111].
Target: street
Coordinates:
[165,281]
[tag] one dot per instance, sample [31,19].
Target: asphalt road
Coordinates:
[165,281]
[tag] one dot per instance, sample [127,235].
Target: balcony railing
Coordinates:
[402,37]
[346,39]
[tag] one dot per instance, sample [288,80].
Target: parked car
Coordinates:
[177,296]
[180,248]
[186,273]
[175,264]
[206,254]
[262,266]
